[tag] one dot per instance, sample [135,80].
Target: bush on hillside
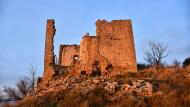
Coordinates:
[186,62]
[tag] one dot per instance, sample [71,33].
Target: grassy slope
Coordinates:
[173,91]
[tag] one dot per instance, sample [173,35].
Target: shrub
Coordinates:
[142,66]
[186,62]
[97,98]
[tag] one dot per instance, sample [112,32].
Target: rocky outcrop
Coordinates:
[86,84]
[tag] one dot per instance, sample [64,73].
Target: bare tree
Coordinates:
[23,87]
[155,53]
[12,93]
[19,92]
[32,78]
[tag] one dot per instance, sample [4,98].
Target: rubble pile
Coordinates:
[85,84]
[140,87]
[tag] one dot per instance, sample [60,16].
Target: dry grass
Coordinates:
[173,91]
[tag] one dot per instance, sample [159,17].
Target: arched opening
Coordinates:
[75,59]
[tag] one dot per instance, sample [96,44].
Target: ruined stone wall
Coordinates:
[113,44]
[88,52]
[116,43]
[67,53]
[49,60]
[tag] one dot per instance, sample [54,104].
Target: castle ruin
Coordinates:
[110,51]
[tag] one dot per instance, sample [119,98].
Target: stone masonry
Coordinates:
[116,43]
[49,51]
[67,53]
[110,51]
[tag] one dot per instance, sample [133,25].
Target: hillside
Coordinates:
[150,87]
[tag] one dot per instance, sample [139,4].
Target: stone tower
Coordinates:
[49,60]
[116,43]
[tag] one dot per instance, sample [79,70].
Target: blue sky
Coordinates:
[23,22]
